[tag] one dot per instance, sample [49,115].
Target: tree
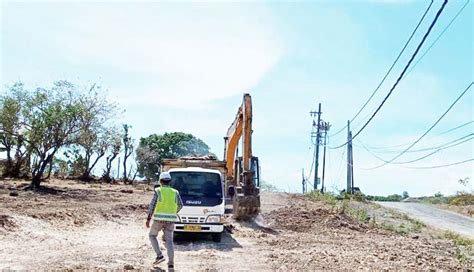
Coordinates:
[114,147]
[438,194]
[53,119]
[268,187]
[50,119]
[405,195]
[11,139]
[154,148]
[94,135]
[128,147]
[76,163]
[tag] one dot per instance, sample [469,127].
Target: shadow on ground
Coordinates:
[197,241]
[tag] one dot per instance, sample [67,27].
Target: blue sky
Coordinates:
[183,66]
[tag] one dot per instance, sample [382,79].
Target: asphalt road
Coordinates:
[434,217]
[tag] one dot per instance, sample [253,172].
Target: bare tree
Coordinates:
[128,147]
[115,145]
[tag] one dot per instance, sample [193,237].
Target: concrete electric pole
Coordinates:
[316,152]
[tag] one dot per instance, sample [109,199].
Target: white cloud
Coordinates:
[191,56]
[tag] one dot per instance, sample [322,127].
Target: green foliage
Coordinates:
[154,148]
[461,199]
[327,197]
[11,140]
[458,239]
[400,229]
[48,119]
[359,214]
[268,187]
[438,194]
[464,247]
[392,198]
[405,195]
[440,199]
[76,163]
[60,168]
[358,196]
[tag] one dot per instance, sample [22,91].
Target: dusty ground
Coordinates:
[82,226]
[467,210]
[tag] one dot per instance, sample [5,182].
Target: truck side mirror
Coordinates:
[231,191]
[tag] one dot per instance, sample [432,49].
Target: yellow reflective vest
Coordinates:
[166,208]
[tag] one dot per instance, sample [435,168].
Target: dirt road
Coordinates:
[96,227]
[434,217]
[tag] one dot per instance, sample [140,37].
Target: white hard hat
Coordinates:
[165,176]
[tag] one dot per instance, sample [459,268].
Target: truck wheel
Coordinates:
[217,237]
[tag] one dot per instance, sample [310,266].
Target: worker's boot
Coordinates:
[158,260]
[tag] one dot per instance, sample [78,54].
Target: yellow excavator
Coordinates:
[243,172]
[239,174]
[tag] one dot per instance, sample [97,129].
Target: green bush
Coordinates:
[461,199]
[359,197]
[392,198]
[327,197]
[458,239]
[359,214]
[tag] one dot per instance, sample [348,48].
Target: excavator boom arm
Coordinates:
[240,173]
[241,127]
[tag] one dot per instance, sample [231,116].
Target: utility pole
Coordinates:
[352,164]
[326,128]
[316,152]
[349,170]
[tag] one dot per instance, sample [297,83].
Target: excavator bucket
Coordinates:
[245,207]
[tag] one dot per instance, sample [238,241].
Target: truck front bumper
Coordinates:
[199,228]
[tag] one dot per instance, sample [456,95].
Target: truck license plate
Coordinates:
[192,227]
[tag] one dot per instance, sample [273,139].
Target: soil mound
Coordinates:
[301,218]
[7,222]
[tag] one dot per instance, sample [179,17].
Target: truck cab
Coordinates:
[202,193]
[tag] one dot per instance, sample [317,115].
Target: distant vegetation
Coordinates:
[64,131]
[392,198]
[268,187]
[461,198]
[154,148]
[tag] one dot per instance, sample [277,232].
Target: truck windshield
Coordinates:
[198,188]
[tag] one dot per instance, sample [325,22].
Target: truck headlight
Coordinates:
[213,219]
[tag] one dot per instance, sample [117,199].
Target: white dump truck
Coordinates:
[200,183]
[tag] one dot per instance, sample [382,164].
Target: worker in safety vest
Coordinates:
[164,208]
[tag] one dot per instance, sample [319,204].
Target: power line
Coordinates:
[418,150]
[389,70]
[438,166]
[402,74]
[458,127]
[405,144]
[439,36]
[417,159]
[434,152]
[424,134]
